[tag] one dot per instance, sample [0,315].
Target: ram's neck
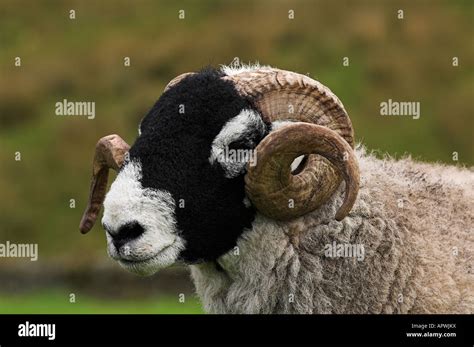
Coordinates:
[375,260]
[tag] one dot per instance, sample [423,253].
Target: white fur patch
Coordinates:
[234,69]
[241,127]
[280,123]
[127,202]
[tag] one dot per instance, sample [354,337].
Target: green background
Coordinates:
[406,59]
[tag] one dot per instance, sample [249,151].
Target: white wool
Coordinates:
[414,222]
[234,69]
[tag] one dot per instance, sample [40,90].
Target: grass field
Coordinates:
[57,301]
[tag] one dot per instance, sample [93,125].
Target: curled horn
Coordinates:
[109,154]
[270,184]
[327,140]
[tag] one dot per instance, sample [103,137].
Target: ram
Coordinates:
[310,225]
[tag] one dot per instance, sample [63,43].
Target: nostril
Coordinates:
[127,232]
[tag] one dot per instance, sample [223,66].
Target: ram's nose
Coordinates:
[127,233]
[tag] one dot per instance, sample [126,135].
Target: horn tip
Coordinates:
[340,217]
[85,226]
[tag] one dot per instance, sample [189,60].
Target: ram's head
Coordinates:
[215,149]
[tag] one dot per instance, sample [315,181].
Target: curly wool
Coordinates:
[414,220]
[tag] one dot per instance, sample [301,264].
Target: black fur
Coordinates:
[174,148]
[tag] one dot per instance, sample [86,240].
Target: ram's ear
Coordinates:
[234,146]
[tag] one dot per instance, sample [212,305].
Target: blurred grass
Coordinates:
[57,302]
[82,60]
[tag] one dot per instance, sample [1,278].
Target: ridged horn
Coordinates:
[109,154]
[288,96]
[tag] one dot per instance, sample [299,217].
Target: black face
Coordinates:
[174,149]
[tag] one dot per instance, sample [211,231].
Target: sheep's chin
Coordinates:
[143,268]
[149,266]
